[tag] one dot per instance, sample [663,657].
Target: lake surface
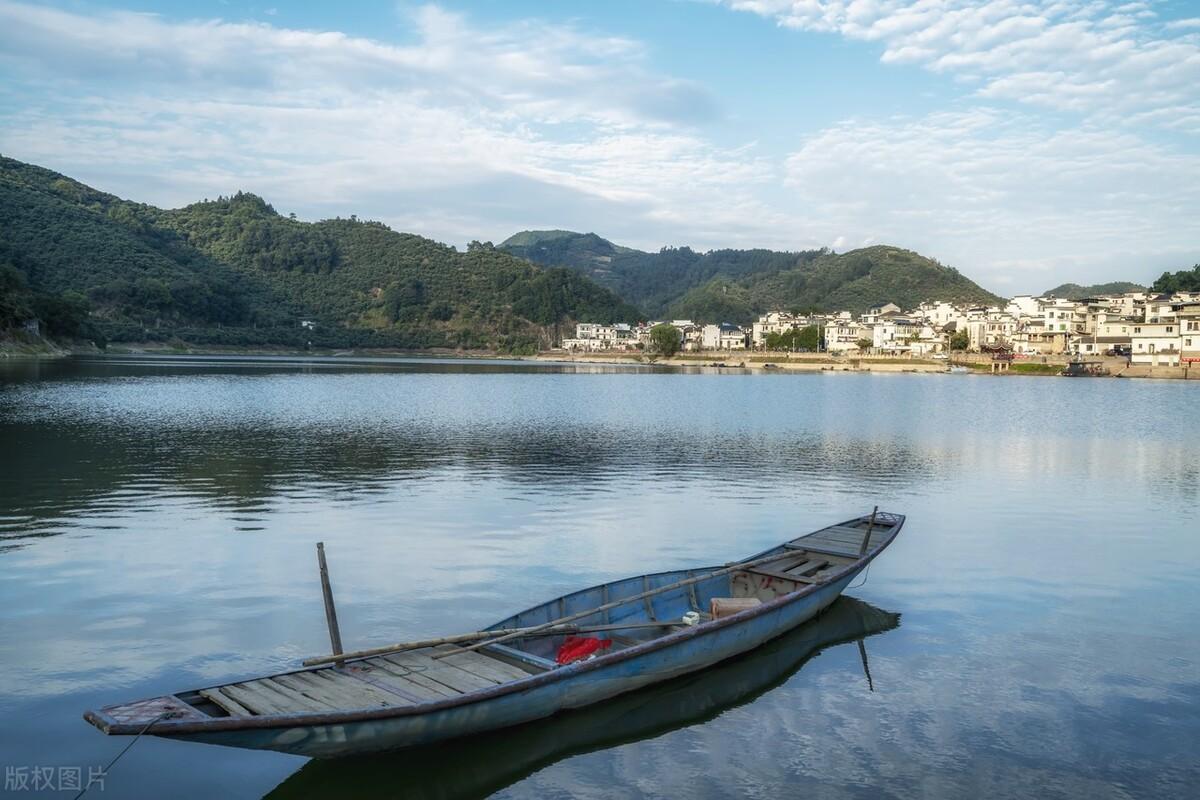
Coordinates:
[1034,631]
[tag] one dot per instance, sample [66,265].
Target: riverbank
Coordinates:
[1044,366]
[21,345]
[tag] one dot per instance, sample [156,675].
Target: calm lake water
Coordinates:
[1033,631]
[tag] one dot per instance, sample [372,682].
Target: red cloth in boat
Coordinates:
[577,647]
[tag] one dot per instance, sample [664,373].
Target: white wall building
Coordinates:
[774,322]
[1157,344]
[842,333]
[723,337]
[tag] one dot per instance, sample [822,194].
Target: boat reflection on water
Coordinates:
[482,765]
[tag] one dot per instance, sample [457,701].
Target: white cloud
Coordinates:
[538,72]
[327,123]
[468,133]
[1004,198]
[1087,56]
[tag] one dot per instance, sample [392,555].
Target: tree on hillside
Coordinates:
[1182,281]
[15,297]
[665,339]
[802,339]
[64,314]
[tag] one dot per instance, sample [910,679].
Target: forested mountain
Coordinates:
[852,281]
[1186,280]
[233,270]
[735,285]
[1073,291]
[651,281]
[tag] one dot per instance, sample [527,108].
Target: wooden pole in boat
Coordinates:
[632,598]
[477,635]
[866,542]
[862,651]
[335,634]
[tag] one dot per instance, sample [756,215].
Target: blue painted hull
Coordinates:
[502,758]
[583,688]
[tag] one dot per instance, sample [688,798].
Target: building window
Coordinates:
[1170,329]
[1137,330]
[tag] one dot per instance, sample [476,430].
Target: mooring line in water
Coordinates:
[109,765]
[866,572]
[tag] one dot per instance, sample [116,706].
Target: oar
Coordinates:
[649,593]
[400,647]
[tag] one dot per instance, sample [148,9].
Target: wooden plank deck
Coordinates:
[258,701]
[483,665]
[438,670]
[829,550]
[231,706]
[387,672]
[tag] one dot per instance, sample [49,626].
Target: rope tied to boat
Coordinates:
[866,574]
[110,764]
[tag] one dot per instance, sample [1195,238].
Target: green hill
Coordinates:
[734,285]
[1186,280]
[234,271]
[853,281]
[1073,291]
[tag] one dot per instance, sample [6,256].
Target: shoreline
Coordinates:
[746,361]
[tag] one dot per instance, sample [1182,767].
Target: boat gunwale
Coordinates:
[110,725]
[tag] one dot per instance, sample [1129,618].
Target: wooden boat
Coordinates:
[501,758]
[428,695]
[1082,368]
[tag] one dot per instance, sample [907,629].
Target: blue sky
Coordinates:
[1026,142]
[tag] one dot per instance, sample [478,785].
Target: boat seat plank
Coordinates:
[786,576]
[853,544]
[398,673]
[853,531]
[534,665]
[832,550]
[847,535]
[438,670]
[831,537]
[482,665]
[233,707]
[812,565]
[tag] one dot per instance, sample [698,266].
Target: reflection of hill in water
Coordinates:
[482,765]
[230,438]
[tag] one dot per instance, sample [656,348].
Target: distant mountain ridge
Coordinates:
[235,271]
[735,285]
[1073,291]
